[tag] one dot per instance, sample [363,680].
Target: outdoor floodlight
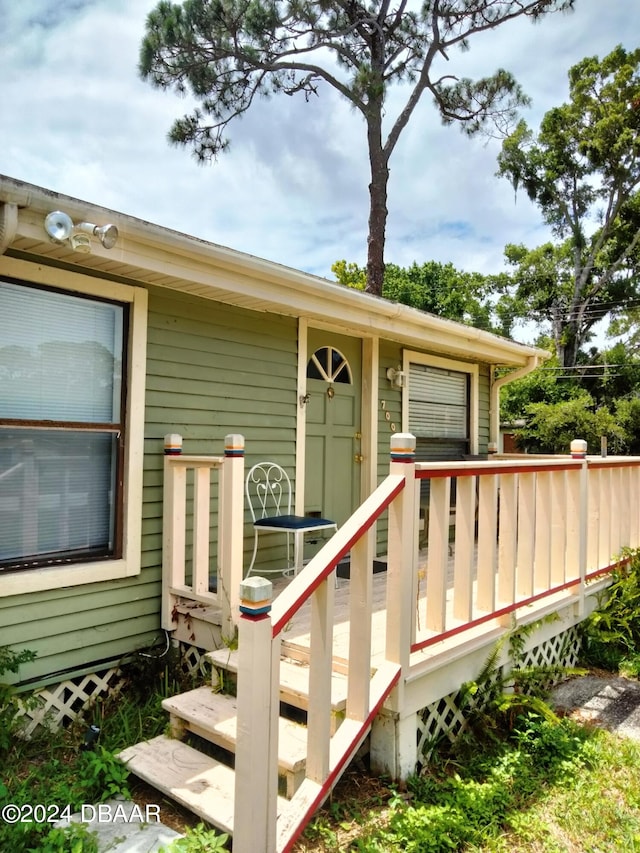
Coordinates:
[60,228]
[58,225]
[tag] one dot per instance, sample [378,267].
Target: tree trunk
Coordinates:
[377,204]
[568,344]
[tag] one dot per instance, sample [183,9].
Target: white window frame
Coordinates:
[26,581]
[411,357]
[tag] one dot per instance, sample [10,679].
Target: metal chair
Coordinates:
[268,491]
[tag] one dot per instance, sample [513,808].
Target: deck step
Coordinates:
[195,781]
[201,784]
[213,716]
[294,680]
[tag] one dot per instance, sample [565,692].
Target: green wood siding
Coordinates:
[211,370]
[214,369]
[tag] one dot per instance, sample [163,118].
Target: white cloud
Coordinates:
[75,117]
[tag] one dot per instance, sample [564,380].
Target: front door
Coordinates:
[332,470]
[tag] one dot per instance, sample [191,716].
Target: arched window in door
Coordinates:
[329,364]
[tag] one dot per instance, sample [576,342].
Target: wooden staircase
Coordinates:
[199,775]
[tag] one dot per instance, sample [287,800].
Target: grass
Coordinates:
[547,787]
[543,785]
[533,784]
[55,769]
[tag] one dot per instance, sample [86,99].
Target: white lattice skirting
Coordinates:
[194,661]
[59,704]
[445,718]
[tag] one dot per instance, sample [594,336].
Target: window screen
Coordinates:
[438,416]
[61,425]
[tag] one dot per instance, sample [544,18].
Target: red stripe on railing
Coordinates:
[619,462]
[337,770]
[504,611]
[326,571]
[495,614]
[610,568]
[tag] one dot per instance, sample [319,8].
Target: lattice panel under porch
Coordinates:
[445,718]
[59,704]
[561,650]
[193,660]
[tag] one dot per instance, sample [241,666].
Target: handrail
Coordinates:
[318,569]
[523,531]
[261,627]
[432,470]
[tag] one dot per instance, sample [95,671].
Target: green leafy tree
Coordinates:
[583,172]
[228,52]
[551,427]
[611,375]
[539,386]
[438,288]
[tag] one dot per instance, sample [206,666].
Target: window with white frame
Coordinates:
[64,427]
[440,406]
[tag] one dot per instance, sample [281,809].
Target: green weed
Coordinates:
[54,768]
[198,839]
[10,661]
[611,635]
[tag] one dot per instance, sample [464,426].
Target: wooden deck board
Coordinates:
[214,715]
[199,783]
[294,679]
[298,630]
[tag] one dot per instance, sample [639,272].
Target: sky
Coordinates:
[76,118]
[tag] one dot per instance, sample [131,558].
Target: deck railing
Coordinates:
[259,642]
[520,531]
[187,515]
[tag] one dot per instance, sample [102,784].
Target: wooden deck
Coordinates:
[529,538]
[297,635]
[298,632]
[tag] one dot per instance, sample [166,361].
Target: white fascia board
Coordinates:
[212,271]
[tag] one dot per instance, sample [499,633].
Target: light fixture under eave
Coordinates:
[397,377]
[107,234]
[60,228]
[58,225]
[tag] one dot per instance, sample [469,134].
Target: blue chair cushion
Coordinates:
[293,522]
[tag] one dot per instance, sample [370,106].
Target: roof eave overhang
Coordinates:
[150,254]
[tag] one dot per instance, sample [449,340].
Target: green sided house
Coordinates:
[111,341]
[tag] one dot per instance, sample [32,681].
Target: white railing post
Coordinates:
[438,552]
[463,559]
[558,541]
[578,526]
[200,565]
[360,607]
[173,527]
[507,539]
[231,532]
[401,546]
[393,736]
[525,550]
[320,669]
[256,766]
[487,541]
